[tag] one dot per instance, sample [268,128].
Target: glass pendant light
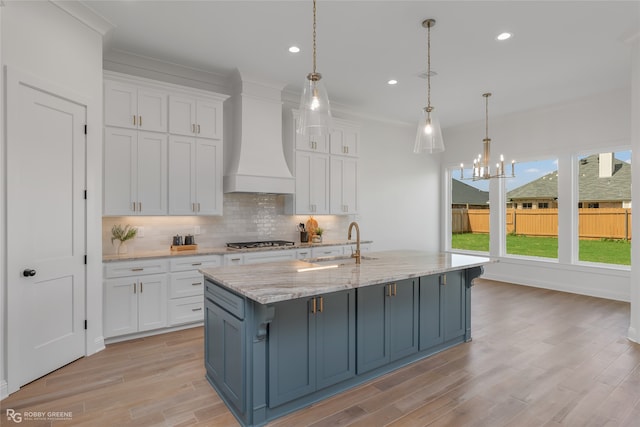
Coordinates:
[315,114]
[429,135]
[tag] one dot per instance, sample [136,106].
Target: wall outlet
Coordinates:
[196,230]
[140,232]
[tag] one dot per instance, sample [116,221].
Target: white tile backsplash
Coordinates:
[247,216]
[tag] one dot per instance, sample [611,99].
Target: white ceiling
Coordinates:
[560,50]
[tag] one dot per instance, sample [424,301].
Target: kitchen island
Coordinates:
[283,335]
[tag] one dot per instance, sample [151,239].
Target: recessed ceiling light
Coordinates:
[392,82]
[294,49]
[504,36]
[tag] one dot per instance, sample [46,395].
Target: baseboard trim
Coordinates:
[632,335]
[121,338]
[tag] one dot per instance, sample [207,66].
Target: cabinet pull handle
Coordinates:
[313,306]
[388,290]
[198,206]
[321,305]
[196,263]
[444,280]
[193,207]
[141,287]
[134,120]
[139,206]
[235,259]
[198,129]
[395,289]
[134,289]
[134,206]
[137,269]
[196,284]
[140,121]
[197,309]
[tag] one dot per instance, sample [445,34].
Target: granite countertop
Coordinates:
[286,280]
[168,253]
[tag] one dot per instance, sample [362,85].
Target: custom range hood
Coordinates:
[256,162]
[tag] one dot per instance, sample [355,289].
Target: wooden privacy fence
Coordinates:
[606,223]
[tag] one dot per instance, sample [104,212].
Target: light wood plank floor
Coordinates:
[538,358]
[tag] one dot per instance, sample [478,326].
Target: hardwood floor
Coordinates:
[538,358]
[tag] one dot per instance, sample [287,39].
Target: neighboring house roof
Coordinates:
[463,194]
[592,188]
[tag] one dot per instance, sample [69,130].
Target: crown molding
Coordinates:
[86,15]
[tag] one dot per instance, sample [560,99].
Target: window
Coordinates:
[529,231]
[469,213]
[604,207]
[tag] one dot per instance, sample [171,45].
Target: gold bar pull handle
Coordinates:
[313,306]
[395,289]
[321,305]
[141,287]
[140,121]
[134,288]
[134,120]
[198,129]
[444,280]
[388,290]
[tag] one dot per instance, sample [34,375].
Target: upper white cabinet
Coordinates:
[135,172]
[134,107]
[312,183]
[195,176]
[344,141]
[344,185]
[315,143]
[195,117]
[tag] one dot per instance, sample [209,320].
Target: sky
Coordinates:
[527,171]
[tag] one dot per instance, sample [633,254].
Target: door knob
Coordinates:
[28,272]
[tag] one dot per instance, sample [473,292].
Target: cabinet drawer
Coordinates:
[186,310]
[269,256]
[231,302]
[233,259]
[134,268]
[186,284]
[326,251]
[195,262]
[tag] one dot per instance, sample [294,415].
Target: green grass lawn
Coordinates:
[605,251]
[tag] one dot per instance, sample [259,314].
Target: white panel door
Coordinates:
[208,162]
[152,173]
[182,175]
[46,229]
[209,119]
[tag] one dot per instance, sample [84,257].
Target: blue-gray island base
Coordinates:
[283,335]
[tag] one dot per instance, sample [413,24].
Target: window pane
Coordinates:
[532,209]
[604,208]
[469,213]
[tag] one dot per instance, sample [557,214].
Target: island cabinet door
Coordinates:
[403,319]
[372,327]
[454,305]
[225,353]
[335,338]
[431,327]
[292,351]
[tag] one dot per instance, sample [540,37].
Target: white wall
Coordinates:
[559,131]
[634,327]
[43,40]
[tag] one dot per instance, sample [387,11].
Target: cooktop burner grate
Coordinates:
[261,244]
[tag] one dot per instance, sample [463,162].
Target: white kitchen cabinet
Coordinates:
[344,141]
[186,288]
[322,251]
[135,172]
[192,116]
[135,304]
[195,176]
[314,143]
[344,185]
[233,259]
[134,107]
[303,253]
[269,256]
[312,183]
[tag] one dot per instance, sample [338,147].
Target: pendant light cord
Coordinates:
[486,116]
[314,36]
[428,65]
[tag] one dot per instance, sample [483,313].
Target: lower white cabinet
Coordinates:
[321,251]
[269,256]
[186,288]
[135,304]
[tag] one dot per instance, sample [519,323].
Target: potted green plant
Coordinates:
[317,238]
[122,234]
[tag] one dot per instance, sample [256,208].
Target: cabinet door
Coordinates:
[120,105]
[186,284]
[344,185]
[335,338]
[344,142]
[431,326]
[152,302]
[292,352]
[372,325]
[152,173]
[454,305]
[208,181]
[120,306]
[182,115]
[225,353]
[182,175]
[269,256]
[315,143]
[403,319]
[120,172]
[312,183]
[152,110]
[209,119]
